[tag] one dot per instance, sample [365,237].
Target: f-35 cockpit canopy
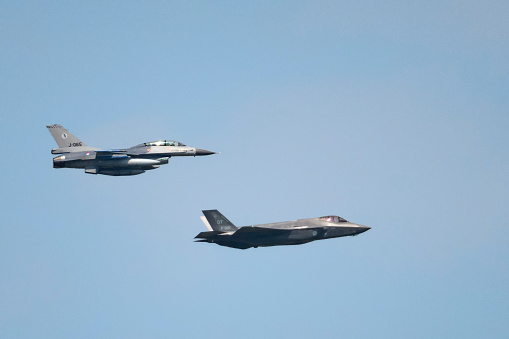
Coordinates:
[332,218]
[164,143]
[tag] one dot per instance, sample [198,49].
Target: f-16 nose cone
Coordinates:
[200,151]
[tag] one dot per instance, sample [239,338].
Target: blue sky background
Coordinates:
[390,115]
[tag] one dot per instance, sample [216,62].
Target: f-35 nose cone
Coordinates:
[200,151]
[363,229]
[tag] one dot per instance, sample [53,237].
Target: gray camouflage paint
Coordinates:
[130,161]
[297,232]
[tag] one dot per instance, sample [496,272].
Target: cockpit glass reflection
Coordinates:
[164,143]
[332,218]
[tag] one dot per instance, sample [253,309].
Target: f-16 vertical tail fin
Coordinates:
[219,222]
[66,141]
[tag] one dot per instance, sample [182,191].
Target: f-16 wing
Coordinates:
[110,153]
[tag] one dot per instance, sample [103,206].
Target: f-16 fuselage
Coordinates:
[130,161]
[224,233]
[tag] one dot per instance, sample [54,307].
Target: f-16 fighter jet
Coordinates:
[223,232]
[130,161]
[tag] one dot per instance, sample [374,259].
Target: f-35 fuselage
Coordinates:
[224,233]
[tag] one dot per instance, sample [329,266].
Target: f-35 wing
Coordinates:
[254,231]
[248,231]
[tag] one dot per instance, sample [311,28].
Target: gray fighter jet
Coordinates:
[130,161]
[223,232]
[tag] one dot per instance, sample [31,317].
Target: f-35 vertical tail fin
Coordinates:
[219,222]
[66,141]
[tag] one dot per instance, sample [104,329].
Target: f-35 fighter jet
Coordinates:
[130,161]
[223,232]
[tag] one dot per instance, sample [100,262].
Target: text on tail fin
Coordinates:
[64,138]
[219,222]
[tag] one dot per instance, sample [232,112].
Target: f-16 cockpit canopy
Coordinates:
[332,218]
[164,143]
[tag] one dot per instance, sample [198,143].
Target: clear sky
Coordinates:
[390,115]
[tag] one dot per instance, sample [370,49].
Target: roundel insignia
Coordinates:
[315,233]
[64,135]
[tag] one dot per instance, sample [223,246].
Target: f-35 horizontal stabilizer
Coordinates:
[206,235]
